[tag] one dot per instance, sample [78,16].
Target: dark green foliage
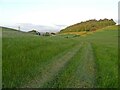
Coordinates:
[53,33]
[90,25]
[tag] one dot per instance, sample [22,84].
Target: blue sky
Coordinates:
[56,12]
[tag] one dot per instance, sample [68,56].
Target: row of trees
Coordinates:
[90,25]
[42,34]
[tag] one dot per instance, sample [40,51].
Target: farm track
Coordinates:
[86,71]
[79,72]
[52,69]
[59,62]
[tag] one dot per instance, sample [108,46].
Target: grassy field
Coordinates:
[61,61]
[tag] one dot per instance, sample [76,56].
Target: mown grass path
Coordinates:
[79,72]
[61,61]
[86,70]
[52,69]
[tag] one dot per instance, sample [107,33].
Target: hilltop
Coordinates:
[89,25]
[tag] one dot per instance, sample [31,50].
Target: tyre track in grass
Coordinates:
[79,72]
[86,72]
[51,70]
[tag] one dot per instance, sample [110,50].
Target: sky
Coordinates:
[56,12]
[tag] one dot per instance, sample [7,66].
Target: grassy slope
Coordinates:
[33,61]
[90,25]
[83,33]
[53,68]
[79,72]
[27,55]
[105,45]
[96,65]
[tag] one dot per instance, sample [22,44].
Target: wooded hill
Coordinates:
[89,25]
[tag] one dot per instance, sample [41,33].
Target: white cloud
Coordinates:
[61,16]
[51,12]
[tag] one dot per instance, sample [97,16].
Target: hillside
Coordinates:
[90,25]
[8,29]
[30,61]
[13,33]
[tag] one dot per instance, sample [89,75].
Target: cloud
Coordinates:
[50,12]
[40,28]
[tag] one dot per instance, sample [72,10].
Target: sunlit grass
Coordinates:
[25,57]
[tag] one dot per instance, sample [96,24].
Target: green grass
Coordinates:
[59,62]
[105,45]
[28,55]
[79,72]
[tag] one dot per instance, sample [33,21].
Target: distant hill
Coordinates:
[15,32]
[8,29]
[40,28]
[90,25]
